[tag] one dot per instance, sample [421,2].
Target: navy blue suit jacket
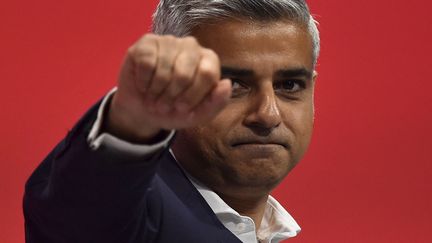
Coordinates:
[78,195]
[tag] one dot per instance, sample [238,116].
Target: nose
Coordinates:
[264,113]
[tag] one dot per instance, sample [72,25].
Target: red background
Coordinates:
[367,176]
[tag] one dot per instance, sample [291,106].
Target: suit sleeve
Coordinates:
[80,194]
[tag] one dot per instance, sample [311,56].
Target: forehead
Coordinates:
[252,44]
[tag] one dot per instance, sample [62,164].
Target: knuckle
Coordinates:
[210,54]
[190,40]
[145,63]
[188,59]
[165,64]
[183,70]
[182,77]
[147,60]
[140,52]
[209,73]
[130,51]
[170,39]
[145,50]
[150,36]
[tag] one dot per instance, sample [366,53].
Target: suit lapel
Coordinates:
[174,176]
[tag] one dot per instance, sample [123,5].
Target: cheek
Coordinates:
[306,126]
[196,145]
[219,131]
[299,120]
[229,118]
[211,137]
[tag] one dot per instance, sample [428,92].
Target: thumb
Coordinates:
[215,101]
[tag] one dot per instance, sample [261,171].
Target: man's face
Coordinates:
[266,127]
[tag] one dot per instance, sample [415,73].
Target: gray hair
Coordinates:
[179,17]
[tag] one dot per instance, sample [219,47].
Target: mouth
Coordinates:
[260,144]
[254,147]
[258,149]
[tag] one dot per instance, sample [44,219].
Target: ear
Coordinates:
[314,76]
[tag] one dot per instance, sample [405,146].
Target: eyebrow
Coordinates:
[236,72]
[296,72]
[283,73]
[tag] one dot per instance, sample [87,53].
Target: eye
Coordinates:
[290,85]
[238,87]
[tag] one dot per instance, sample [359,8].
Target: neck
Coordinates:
[253,207]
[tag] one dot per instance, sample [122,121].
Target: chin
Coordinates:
[258,173]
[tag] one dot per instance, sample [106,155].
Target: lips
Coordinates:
[260,141]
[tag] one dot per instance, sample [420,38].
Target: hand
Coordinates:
[166,83]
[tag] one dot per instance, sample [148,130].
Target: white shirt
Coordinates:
[277,224]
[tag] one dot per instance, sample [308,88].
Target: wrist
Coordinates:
[118,123]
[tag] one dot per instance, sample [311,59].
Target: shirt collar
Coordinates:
[277,223]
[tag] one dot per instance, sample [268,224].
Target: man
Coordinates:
[236,87]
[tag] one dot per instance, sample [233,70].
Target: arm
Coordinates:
[84,194]
[79,194]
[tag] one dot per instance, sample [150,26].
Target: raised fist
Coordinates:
[166,83]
